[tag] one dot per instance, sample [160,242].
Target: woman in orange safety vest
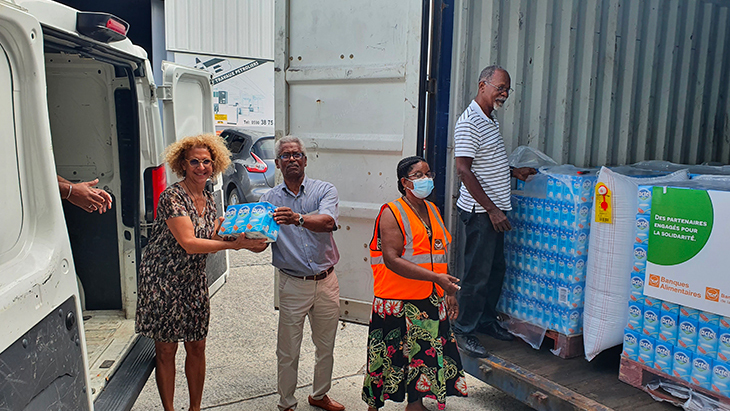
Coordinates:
[412,351]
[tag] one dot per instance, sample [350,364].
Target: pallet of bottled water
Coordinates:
[546,250]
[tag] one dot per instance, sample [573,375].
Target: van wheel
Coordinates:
[233,197]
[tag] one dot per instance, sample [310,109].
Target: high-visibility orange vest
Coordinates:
[416,249]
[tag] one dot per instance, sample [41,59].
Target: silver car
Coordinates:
[252,170]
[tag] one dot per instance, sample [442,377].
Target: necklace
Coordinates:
[426,226]
[196,201]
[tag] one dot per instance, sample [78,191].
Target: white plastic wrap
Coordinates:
[610,258]
[524,156]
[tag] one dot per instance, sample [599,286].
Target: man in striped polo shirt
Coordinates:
[484,197]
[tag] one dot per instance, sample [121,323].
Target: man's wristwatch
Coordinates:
[300,222]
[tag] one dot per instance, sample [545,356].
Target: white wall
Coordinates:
[232,28]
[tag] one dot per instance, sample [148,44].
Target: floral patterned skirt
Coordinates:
[411,351]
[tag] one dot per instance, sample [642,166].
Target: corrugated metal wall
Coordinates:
[221,27]
[603,81]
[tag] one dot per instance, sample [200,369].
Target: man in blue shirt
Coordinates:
[305,254]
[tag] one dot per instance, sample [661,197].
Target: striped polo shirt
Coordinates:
[477,136]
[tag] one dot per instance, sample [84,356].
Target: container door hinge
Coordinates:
[430,85]
[164,92]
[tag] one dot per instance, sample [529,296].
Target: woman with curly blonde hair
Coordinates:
[172,294]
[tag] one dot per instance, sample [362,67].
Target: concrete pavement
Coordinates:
[241,357]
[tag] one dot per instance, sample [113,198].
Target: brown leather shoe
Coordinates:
[326,403]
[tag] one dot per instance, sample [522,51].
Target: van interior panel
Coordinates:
[95,248]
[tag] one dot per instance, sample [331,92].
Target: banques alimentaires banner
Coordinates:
[689,248]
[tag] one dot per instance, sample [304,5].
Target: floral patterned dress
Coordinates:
[412,351]
[172,293]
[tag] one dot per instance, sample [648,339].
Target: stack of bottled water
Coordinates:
[546,250]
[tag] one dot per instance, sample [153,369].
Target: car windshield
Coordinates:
[264,148]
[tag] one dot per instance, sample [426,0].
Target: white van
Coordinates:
[77,99]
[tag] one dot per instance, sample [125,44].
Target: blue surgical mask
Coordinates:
[422,187]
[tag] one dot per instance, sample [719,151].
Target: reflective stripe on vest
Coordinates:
[429,255]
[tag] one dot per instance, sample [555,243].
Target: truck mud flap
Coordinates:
[527,387]
[127,382]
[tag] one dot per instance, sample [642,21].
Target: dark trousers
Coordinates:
[484,268]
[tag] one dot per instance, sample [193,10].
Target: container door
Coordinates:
[347,83]
[42,345]
[187,99]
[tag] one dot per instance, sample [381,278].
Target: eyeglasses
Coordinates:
[194,162]
[501,89]
[419,175]
[287,156]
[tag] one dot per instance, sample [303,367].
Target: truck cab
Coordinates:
[78,100]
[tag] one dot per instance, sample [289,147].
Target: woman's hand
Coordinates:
[448,283]
[452,307]
[256,245]
[89,198]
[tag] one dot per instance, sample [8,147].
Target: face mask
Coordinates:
[422,187]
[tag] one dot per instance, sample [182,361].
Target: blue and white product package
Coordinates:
[637,288]
[663,357]
[723,340]
[687,333]
[640,252]
[262,224]
[668,327]
[689,312]
[646,350]
[234,214]
[702,371]
[583,211]
[651,324]
[682,364]
[670,308]
[574,325]
[653,302]
[631,344]
[548,246]
[721,378]
[645,193]
[705,317]
[707,340]
[642,229]
[255,220]
[636,317]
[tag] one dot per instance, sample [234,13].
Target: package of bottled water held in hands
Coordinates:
[546,250]
[255,220]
